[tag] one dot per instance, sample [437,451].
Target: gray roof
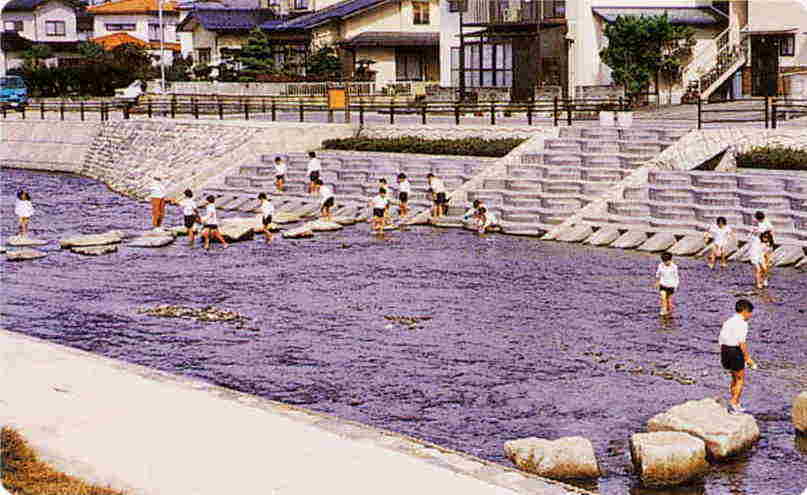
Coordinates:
[393,38]
[340,10]
[693,16]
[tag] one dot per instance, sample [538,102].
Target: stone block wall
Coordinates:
[46,146]
[450,131]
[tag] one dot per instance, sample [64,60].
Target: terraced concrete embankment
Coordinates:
[48,146]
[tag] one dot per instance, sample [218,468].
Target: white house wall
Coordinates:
[34,22]
[782,14]
[141,22]
[449,38]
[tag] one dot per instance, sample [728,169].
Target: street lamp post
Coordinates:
[162,47]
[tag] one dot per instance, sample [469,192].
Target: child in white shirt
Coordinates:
[487,220]
[211,223]
[191,214]
[280,174]
[313,170]
[157,200]
[265,212]
[720,235]
[404,190]
[760,255]
[666,282]
[379,204]
[24,210]
[326,199]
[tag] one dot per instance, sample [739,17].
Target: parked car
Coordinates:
[13,92]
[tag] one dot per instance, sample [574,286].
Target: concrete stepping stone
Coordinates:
[689,245]
[603,237]
[564,458]
[24,254]
[95,250]
[799,413]
[724,433]
[802,265]
[661,241]
[238,229]
[787,255]
[577,233]
[630,239]
[285,217]
[322,226]
[298,233]
[343,220]
[20,241]
[668,458]
[111,237]
[151,241]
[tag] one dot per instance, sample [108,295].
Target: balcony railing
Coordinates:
[513,11]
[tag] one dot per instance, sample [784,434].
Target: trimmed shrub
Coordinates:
[773,157]
[464,147]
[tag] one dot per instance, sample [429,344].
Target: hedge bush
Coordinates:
[465,147]
[773,157]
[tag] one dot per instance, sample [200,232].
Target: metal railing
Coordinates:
[768,111]
[513,11]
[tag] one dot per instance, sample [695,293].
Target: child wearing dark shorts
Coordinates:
[265,212]
[734,355]
[666,282]
[190,214]
[404,189]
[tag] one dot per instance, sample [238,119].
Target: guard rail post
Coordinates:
[492,113]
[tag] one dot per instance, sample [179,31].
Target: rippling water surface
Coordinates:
[526,338]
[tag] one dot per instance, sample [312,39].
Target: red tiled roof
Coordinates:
[132,7]
[111,41]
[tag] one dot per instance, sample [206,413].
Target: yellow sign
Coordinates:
[337,98]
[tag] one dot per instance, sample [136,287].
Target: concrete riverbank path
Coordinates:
[149,432]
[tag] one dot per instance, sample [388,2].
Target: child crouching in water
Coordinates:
[24,211]
[666,282]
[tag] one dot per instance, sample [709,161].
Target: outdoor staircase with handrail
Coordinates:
[714,64]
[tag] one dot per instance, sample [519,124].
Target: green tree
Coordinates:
[256,57]
[643,48]
[90,50]
[36,55]
[324,63]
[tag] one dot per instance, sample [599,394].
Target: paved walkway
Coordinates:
[149,432]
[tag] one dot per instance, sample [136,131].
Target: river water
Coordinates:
[526,338]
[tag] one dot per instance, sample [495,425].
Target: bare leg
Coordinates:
[161,213]
[155,212]
[206,237]
[663,301]
[670,304]
[219,237]
[737,383]
[191,236]
[24,226]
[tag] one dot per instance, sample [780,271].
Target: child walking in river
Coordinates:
[24,210]
[666,282]
[211,223]
[404,190]
[720,235]
[265,212]
[280,174]
[190,212]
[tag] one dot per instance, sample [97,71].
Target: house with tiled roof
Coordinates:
[138,21]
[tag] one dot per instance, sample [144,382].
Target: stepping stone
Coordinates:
[787,255]
[742,254]
[668,458]
[179,231]
[158,232]
[322,226]
[802,265]
[603,237]
[630,239]
[689,245]
[285,217]
[564,458]
[298,233]
[345,220]
[95,250]
[799,413]
[238,229]
[661,241]
[20,241]
[24,254]
[111,237]
[151,241]
[724,433]
[577,233]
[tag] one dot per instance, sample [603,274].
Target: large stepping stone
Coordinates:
[342,220]
[799,413]
[111,237]
[152,241]
[689,245]
[95,250]
[577,233]
[20,241]
[323,226]
[24,254]
[630,239]
[731,248]
[668,458]
[158,232]
[603,237]
[661,241]
[725,434]
[564,458]
[802,265]
[298,233]
[285,217]
[742,254]
[787,255]
[238,229]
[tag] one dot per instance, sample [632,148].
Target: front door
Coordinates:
[764,65]
[526,54]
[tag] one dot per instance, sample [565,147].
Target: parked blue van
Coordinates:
[13,91]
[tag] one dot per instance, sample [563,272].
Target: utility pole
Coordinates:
[162,48]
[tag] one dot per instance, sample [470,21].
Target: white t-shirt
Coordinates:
[266,208]
[405,187]
[437,185]
[763,226]
[24,208]
[734,331]
[325,192]
[757,251]
[211,218]
[667,275]
[188,207]
[379,202]
[157,190]
[490,218]
[720,236]
[280,168]
[314,165]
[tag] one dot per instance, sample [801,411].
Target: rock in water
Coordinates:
[725,434]
[24,254]
[110,237]
[667,458]
[179,231]
[787,255]
[322,226]
[20,241]
[800,413]
[577,233]
[630,239]
[151,241]
[298,233]
[802,265]
[564,458]
[95,250]
[238,229]
[661,241]
[741,254]
[158,232]
[689,245]
[284,217]
[342,220]
[603,237]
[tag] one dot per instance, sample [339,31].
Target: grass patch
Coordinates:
[24,474]
[464,147]
[773,158]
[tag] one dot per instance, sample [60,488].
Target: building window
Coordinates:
[408,66]
[120,27]
[420,12]
[457,6]
[55,28]
[300,4]
[486,65]
[13,26]
[787,46]
[154,32]
[203,56]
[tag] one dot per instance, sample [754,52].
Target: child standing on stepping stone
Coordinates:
[720,235]
[191,215]
[280,174]
[326,200]
[379,204]
[404,189]
[734,354]
[487,220]
[24,210]
[666,282]
[265,212]
[438,188]
[211,223]
[157,199]
[313,170]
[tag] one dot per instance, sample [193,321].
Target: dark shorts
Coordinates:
[280,177]
[440,198]
[267,220]
[314,175]
[403,197]
[378,212]
[669,290]
[211,226]
[328,203]
[189,221]
[731,357]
